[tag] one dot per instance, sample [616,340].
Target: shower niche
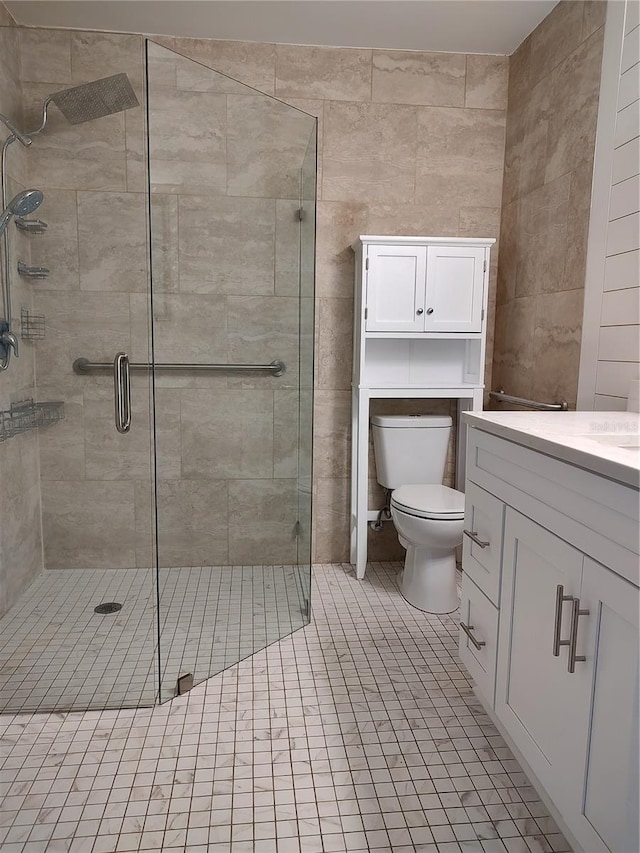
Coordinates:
[180,233]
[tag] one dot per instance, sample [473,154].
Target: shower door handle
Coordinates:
[122,392]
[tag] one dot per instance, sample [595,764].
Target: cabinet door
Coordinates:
[455,287]
[542,706]
[607,808]
[479,638]
[395,288]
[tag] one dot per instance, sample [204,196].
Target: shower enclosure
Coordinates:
[175,303]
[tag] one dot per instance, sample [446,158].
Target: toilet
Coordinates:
[411,454]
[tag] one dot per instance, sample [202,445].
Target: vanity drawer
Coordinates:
[482,543]
[480,619]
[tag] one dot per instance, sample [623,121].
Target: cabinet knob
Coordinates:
[420,311]
[429,310]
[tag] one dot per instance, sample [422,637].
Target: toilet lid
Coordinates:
[429,501]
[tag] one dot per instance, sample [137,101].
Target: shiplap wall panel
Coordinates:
[603,403]
[620,307]
[618,343]
[618,353]
[622,271]
[623,234]
[625,161]
[624,197]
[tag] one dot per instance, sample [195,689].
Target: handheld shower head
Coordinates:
[21,205]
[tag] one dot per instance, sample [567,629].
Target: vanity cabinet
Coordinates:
[413,288]
[554,645]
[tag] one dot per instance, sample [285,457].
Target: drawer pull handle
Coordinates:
[473,535]
[576,613]
[557,629]
[468,629]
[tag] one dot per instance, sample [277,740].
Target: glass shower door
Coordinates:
[233,372]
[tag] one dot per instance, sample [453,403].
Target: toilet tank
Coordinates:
[410,449]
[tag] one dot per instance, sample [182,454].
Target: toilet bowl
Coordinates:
[429,520]
[411,453]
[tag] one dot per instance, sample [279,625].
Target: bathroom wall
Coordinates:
[20,521]
[410,143]
[551,124]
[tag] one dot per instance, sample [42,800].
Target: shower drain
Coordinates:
[108,607]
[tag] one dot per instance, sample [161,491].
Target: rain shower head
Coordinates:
[21,205]
[96,99]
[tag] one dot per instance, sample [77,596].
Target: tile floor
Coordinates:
[356,733]
[56,653]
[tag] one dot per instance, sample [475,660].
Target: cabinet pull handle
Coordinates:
[420,311]
[473,535]
[576,613]
[429,310]
[557,630]
[468,629]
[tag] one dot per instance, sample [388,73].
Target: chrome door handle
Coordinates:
[576,613]
[122,392]
[557,629]
[473,535]
[468,629]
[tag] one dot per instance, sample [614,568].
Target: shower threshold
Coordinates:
[57,653]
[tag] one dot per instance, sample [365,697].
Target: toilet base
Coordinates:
[429,579]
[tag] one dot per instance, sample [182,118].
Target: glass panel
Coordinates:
[88,483]
[225,167]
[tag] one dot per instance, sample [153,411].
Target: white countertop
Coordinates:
[607,443]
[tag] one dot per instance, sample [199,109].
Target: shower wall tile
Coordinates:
[97,55]
[57,248]
[337,74]
[135,151]
[88,524]
[193,523]
[45,56]
[430,218]
[251,63]
[62,446]
[412,77]
[486,82]
[227,434]
[286,424]
[331,515]
[190,328]
[551,123]
[226,246]
[262,518]
[164,246]
[332,434]
[336,224]
[287,249]
[21,549]
[266,143]
[334,347]
[369,152]
[6,18]
[106,221]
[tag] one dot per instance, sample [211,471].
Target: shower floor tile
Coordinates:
[357,733]
[57,653]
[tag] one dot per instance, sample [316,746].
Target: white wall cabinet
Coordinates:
[413,288]
[419,331]
[565,662]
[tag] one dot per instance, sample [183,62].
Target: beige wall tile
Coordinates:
[286,427]
[514,362]
[554,39]
[6,18]
[226,245]
[252,63]
[262,517]
[227,434]
[460,156]
[190,328]
[336,74]
[21,546]
[334,324]
[369,152]
[112,241]
[62,445]
[412,77]
[572,124]
[95,55]
[487,82]
[45,56]
[429,218]
[330,520]
[74,529]
[287,247]
[332,434]
[594,15]
[57,248]
[578,227]
[165,266]
[192,523]
[338,224]
[558,327]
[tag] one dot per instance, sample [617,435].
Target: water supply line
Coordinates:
[384,514]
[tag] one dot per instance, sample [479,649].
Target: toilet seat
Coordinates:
[429,501]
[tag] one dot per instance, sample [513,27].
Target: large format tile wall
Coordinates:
[21,539]
[410,143]
[551,124]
